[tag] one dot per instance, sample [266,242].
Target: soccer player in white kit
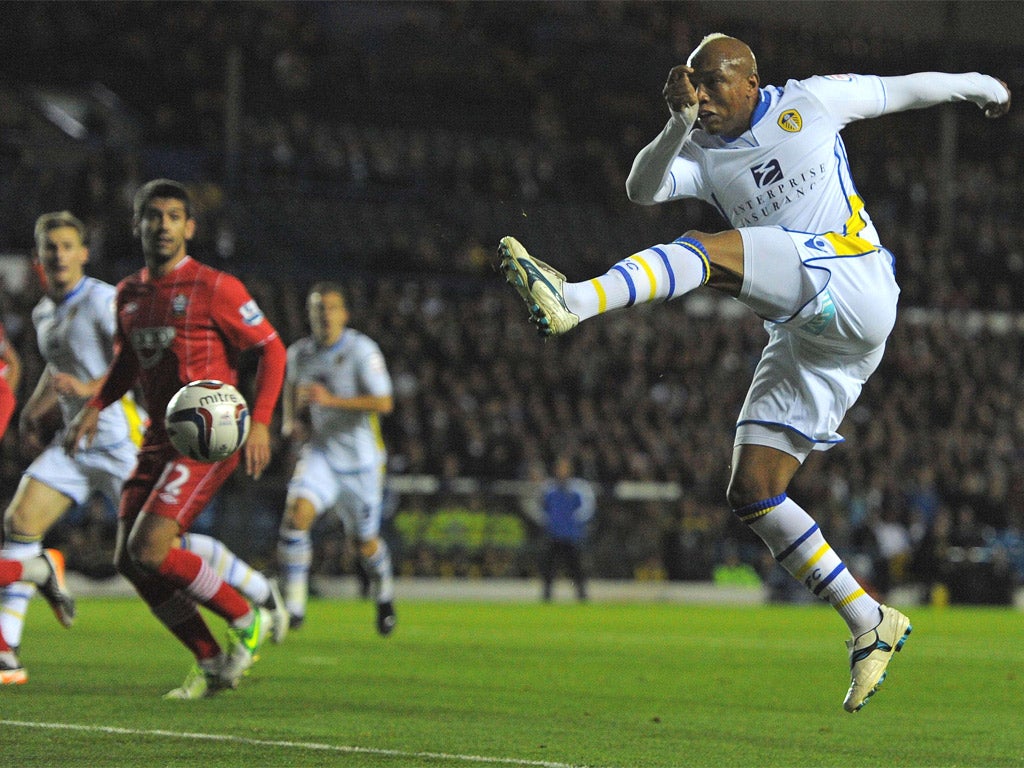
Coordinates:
[803,255]
[340,376]
[74,325]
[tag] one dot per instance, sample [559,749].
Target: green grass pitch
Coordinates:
[513,684]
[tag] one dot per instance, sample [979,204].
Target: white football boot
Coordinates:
[870,654]
[540,287]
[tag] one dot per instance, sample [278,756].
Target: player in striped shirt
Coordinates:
[803,255]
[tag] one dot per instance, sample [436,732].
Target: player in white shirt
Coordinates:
[74,325]
[338,378]
[803,255]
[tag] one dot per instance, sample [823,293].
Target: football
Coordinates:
[207,420]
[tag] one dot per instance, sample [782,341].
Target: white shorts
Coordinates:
[356,495]
[827,317]
[90,470]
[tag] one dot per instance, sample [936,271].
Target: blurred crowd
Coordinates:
[412,134]
[392,144]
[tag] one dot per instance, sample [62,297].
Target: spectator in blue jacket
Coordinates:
[568,506]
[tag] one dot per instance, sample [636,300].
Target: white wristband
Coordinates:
[686,118]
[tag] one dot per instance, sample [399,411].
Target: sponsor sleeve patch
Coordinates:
[251,313]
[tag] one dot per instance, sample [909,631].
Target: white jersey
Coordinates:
[352,366]
[790,168]
[76,337]
[785,185]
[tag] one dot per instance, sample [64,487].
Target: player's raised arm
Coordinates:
[926,89]
[716,93]
[651,166]
[923,89]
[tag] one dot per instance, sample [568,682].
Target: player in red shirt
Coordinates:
[10,375]
[177,321]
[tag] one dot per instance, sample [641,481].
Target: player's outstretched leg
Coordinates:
[540,286]
[658,273]
[871,653]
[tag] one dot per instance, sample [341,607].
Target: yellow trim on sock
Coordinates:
[823,550]
[857,593]
[650,275]
[602,296]
[755,515]
[700,255]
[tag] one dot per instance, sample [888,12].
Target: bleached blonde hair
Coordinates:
[719,36]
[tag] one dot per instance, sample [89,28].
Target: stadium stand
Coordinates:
[340,139]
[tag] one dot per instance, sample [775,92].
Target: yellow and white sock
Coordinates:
[797,544]
[660,273]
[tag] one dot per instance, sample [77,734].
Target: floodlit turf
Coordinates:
[470,684]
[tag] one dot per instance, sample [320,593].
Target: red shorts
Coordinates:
[167,484]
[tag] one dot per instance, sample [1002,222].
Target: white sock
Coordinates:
[14,598]
[798,545]
[294,558]
[661,272]
[378,565]
[228,566]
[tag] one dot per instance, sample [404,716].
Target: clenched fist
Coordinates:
[679,92]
